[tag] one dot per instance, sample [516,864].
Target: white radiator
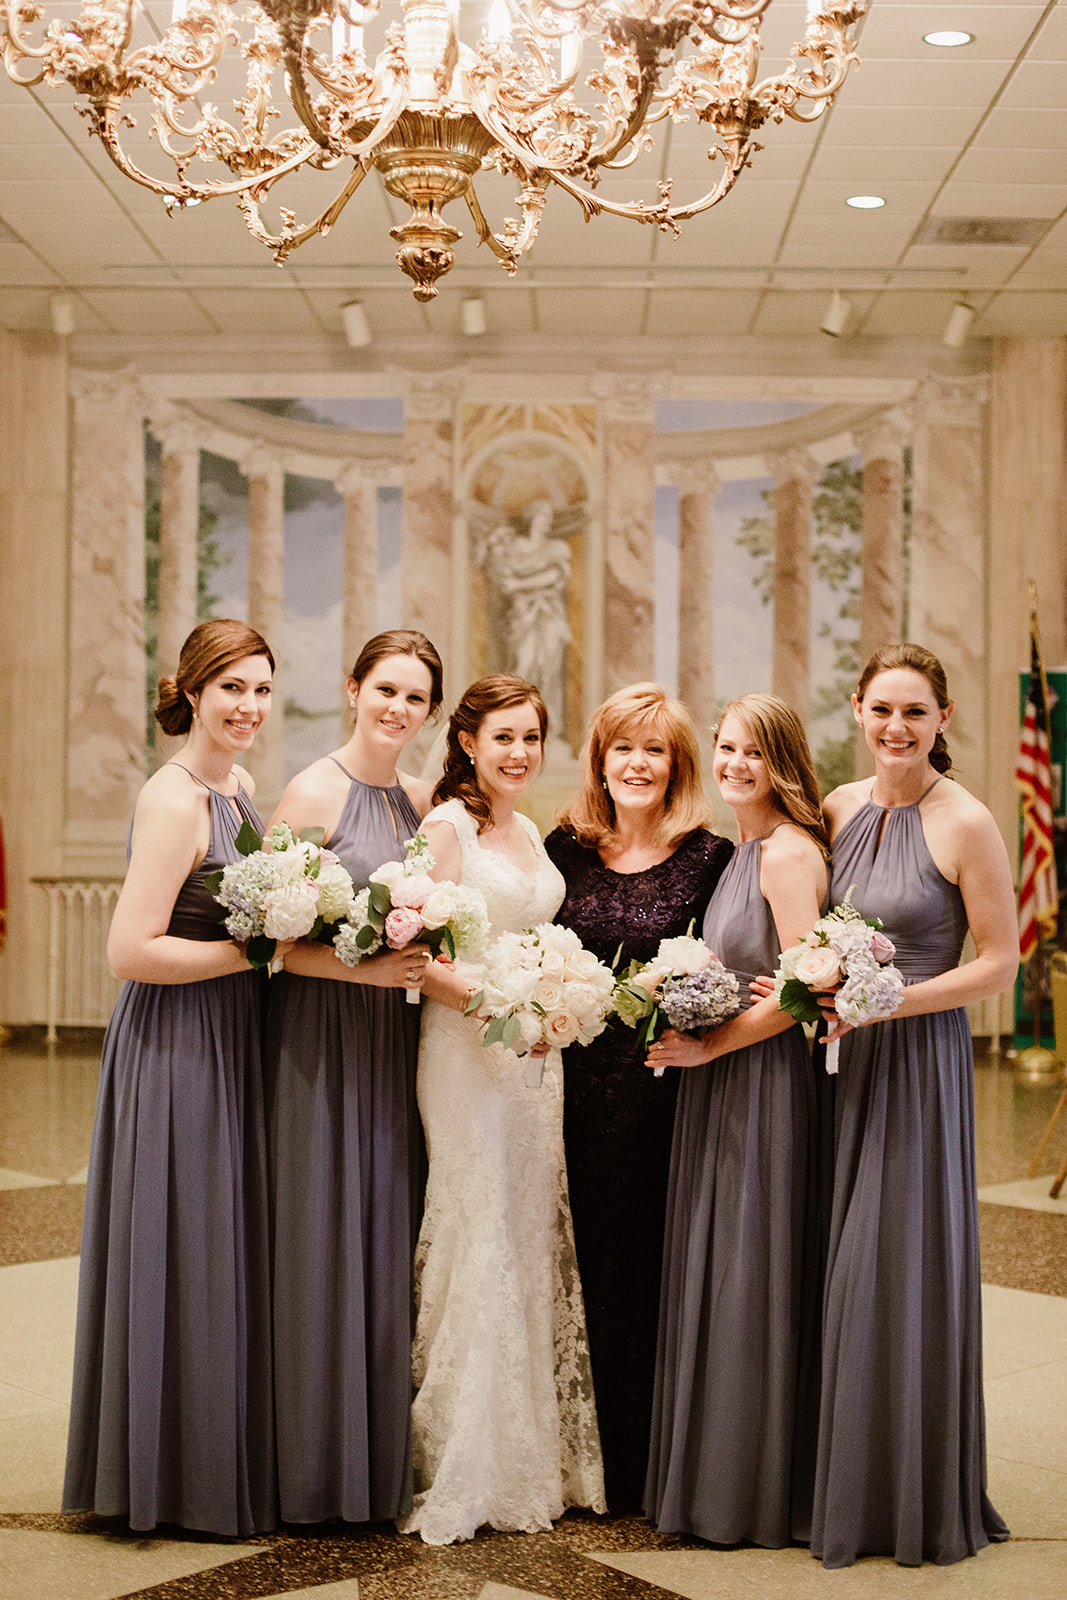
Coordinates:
[82,989]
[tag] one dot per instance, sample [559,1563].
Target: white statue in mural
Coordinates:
[528,568]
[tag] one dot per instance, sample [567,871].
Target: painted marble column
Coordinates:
[179,523]
[266,608]
[628,511]
[34,676]
[949,613]
[882,571]
[429,583]
[1027,518]
[795,474]
[106,707]
[698,484]
[358,484]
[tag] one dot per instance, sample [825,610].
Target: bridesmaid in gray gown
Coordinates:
[901,1469]
[345,1148]
[171,1414]
[733,1428]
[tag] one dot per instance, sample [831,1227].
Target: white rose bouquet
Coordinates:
[685,986]
[402,903]
[542,987]
[286,886]
[846,953]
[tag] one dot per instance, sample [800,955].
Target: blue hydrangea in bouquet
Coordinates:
[685,986]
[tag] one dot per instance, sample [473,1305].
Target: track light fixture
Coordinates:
[357,328]
[958,325]
[836,315]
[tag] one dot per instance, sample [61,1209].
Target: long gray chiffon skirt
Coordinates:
[171,1414]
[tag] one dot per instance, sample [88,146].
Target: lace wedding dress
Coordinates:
[504,1420]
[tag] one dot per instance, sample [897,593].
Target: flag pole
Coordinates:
[1035,1062]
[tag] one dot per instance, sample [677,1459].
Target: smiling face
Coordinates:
[233,705]
[900,717]
[393,700]
[506,750]
[738,765]
[638,764]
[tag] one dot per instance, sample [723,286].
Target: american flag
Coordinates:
[1039,897]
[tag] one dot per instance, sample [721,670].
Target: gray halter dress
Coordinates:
[901,1467]
[171,1412]
[346,1172]
[734,1416]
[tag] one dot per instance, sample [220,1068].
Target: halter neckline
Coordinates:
[911,803]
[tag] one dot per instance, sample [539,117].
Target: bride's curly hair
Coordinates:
[496,692]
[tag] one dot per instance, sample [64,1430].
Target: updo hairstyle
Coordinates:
[916,658]
[641,708]
[210,648]
[493,693]
[775,727]
[402,642]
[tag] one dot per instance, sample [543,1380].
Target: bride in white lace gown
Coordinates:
[504,1420]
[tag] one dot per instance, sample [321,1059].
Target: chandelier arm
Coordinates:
[291,236]
[301,99]
[102,114]
[664,216]
[489,115]
[517,240]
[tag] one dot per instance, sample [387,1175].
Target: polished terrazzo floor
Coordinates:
[46,1109]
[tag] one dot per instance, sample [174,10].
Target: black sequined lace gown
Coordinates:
[618,1122]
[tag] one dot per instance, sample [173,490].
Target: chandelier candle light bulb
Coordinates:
[450,93]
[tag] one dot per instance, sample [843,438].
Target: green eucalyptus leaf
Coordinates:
[213,882]
[380,901]
[311,835]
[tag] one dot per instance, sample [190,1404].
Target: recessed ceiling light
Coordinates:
[948,38]
[865,202]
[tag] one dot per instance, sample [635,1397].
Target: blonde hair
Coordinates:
[640,708]
[783,744]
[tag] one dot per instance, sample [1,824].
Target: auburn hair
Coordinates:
[496,692]
[210,648]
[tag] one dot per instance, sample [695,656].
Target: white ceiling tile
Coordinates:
[722,311]
[921,82]
[618,314]
[1035,83]
[1041,127]
[876,165]
[1025,315]
[1001,199]
[24,310]
[894,30]
[141,311]
[908,315]
[862,125]
[989,166]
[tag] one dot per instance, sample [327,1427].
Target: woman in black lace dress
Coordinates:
[640,865]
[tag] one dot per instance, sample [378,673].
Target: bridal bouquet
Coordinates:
[685,986]
[286,886]
[542,987]
[847,953]
[402,904]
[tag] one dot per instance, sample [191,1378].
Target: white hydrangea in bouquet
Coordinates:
[847,955]
[542,986]
[402,904]
[286,886]
[685,986]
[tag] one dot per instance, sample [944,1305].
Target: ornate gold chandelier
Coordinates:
[428,109]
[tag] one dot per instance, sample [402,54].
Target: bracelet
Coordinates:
[468,996]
